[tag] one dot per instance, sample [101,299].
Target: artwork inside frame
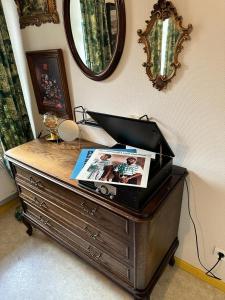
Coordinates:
[36,12]
[49,82]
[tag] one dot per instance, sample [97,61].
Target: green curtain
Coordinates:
[14,123]
[155,41]
[96,34]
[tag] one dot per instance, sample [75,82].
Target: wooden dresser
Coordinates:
[129,247]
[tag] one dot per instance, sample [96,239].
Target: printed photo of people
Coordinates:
[117,168]
[98,167]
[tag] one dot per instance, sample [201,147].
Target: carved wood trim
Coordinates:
[163,10]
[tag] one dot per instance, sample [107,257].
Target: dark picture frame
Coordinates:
[49,82]
[33,12]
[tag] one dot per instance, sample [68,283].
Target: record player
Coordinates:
[142,134]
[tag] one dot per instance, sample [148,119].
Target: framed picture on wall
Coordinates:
[36,12]
[49,82]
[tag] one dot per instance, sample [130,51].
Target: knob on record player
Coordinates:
[104,190]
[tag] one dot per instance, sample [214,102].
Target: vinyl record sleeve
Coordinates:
[129,169]
[84,156]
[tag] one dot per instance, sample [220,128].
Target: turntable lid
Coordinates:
[133,132]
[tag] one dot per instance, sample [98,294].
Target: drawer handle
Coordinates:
[93,253]
[44,205]
[36,201]
[87,210]
[36,183]
[45,222]
[91,234]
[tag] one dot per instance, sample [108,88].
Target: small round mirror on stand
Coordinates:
[69,132]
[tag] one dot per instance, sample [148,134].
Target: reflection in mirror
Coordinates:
[97,27]
[163,40]
[94,29]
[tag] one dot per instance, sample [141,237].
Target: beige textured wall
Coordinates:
[191,112]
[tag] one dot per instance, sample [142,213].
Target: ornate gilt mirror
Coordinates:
[95,32]
[163,39]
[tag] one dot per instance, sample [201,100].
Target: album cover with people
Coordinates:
[86,153]
[121,168]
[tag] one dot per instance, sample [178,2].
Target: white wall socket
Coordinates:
[217,250]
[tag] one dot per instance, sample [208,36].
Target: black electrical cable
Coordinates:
[207,273]
[196,240]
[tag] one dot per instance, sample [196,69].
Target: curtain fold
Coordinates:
[96,34]
[15,127]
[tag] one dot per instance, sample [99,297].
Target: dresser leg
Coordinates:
[147,297]
[172,261]
[29,227]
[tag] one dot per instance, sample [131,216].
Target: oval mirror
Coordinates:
[95,31]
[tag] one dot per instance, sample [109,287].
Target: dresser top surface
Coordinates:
[56,161]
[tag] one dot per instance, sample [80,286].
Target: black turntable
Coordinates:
[140,134]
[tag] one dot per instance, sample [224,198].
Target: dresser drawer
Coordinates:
[94,235]
[55,228]
[78,205]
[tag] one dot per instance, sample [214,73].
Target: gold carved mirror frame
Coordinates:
[157,38]
[37,12]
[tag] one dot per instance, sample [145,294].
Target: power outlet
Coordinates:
[217,250]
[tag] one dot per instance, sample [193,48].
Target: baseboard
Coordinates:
[219,284]
[8,199]
[5,207]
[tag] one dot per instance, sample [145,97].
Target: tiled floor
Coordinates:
[36,268]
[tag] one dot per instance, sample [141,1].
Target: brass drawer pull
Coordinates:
[35,201]
[87,210]
[91,234]
[45,222]
[93,253]
[36,183]
[44,205]
[32,181]
[39,203]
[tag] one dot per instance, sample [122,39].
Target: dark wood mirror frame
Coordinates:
[162,10]
[119,44]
